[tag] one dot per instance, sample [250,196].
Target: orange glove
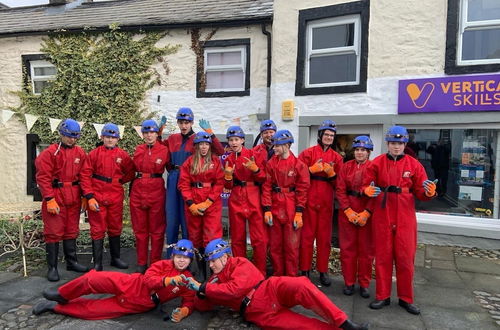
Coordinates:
[93,205]
[297,220]
[228,172]
[52,206]
[205,205]
[84,205]
[268,218]
[316,167]
[363,217]
[372,191]
[329,170]
[430,187]
[251,165]
[179,313]
[194,208]
[175,280]
[351,215]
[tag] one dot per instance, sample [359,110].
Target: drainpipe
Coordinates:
[267,114]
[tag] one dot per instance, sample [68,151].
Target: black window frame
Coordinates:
[200,72]
[361,8]
[452,29]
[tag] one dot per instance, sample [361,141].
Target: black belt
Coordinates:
[354,193]
[155,299]
[248,298]
[237,182]
[139,175]
[104,178]
[58,184]
[201,184]
[322,178]
[280,189]
[393,189]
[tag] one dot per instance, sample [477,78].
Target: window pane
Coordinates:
[481,10]
[45,71]
[224,58]
[463,161]
[332,69]
[333,36]
[40,85]
[225,80]
[481,44]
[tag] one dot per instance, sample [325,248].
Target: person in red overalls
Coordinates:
[265,151]
[284,197]
[147,196]
[244,175]
[324,163]
[132,293]
[180,147]
[201,182]
[237,284]
[401,179]
[355,233]
[104,172]
[58,177]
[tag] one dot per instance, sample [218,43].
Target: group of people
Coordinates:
[288,202]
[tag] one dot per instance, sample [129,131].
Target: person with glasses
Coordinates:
[265,151]
[104,172]
[131,293]
[244,174]
[355,228]
[323,164]
[236,283]
[201,182]
[180,147]
[147,196]
[284,197]
[58,170]
[394,180]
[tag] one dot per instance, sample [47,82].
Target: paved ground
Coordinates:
[454,290]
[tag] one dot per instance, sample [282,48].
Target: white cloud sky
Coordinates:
[22,3]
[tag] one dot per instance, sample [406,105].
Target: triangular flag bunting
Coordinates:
[138,130]
[30,120]
[98,128]
[6,114]
[122,130]
[54,123]
[81,123]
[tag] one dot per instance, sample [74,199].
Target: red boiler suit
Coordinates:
[395,222]
[198,188]
[244,204]
[262,152]
[270,302]
[57,174]
[132,292]
[147,201]
[318,215]
[102,177]
[285,192]
[356,244]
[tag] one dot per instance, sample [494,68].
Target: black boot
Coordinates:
[364,292]
[141,269]
[410,308]
[69,247]
[97,246]
[350,325]
[114,249]
[54,295]
[379,304]
[348,290]
[44,306]
[52,250]
[305,273]
[324,279]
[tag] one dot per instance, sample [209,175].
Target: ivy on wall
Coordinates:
[197,47]
[101,77]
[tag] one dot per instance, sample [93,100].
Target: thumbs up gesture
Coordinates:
[372,190]
[316,167]
[251,165]
[228,171]
[430,187]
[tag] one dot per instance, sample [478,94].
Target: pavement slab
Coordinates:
[477,265]
[436,252]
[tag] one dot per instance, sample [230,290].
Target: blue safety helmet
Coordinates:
[267,124]
[202,137]
[149,125]
[282,137]
[362,141]
[185,114]
[328,124]
[397,134]
[184,247]
[111,130]
[70,128]
[216,249]
[235,131]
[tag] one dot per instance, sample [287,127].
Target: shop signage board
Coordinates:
[469,93]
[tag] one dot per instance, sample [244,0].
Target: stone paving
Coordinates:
[455,288]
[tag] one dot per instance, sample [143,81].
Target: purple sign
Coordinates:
[450,94]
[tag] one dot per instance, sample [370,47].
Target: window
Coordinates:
[473,36]
[332,49]
[38,72]
[226,68]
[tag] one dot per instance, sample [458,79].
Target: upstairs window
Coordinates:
[42,72]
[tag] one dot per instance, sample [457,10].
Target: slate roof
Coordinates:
[133,14]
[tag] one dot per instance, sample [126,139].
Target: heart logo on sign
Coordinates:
[420,96]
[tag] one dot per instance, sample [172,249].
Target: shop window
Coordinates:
[38,72]
[473,36]
[464,162]
[332,49]
[226,68]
